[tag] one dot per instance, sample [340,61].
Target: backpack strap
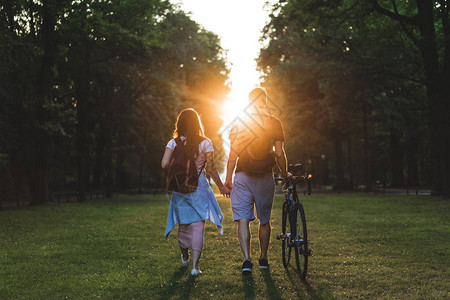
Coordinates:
[178,141]
[203,166]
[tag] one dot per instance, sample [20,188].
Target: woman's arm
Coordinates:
[211,169]
[165,162]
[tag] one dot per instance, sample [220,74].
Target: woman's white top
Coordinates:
[204,147]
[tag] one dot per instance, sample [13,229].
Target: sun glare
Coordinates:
[235,104]
[240,38]
[231,109]
[243,80]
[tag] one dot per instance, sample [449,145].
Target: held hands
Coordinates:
[225,190]
[228,184]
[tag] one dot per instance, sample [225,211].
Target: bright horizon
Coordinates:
[239,25]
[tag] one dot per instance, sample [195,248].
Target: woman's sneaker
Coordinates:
[247,267]
[263,263]
[184,263]
[195,272]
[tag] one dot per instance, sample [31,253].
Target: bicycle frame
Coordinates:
[294,232]
[290,200]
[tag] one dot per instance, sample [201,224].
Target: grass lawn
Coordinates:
[364,246]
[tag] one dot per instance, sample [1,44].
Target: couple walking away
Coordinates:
[255,147]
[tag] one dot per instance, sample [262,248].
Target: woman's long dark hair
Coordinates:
[190,126]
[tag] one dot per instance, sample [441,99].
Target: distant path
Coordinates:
[406,191]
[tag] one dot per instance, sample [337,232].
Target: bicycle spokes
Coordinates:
[294,236]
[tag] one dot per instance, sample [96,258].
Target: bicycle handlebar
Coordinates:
[295,169]
[297,179]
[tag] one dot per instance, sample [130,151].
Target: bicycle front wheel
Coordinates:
[300,241]
[285,242]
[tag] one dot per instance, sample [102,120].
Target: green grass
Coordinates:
[363,247]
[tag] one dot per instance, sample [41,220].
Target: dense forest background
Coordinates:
[90,89]
[364,87]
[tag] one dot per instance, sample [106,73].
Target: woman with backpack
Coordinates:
[193,201]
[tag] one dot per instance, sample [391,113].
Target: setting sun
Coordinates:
[239,37]
[237,99]
[231,109]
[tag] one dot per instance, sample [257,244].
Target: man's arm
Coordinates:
[232,157]
[231,164]
[280,158]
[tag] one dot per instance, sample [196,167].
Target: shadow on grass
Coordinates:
[249,286]
[308,291]
[272,290]
[173,283]
[187,288]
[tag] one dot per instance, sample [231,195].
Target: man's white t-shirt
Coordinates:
[204,147]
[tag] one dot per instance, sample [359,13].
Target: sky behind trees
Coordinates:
[239,25]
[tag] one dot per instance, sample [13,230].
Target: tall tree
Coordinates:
[333,76]
[431,20]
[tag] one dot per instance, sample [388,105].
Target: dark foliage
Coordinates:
[90,91]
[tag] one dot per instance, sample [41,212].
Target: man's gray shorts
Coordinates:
[249,191]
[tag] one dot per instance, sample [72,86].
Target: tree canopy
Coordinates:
[355,85]
[90,90]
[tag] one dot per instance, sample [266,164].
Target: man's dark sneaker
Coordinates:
[263,263]
[247,267]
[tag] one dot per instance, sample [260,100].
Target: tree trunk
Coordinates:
[82,97]
[109,162]
[98,169]
[397,179]
[367,175]
[313,160]
[438,97]
[120,174]
[350,161]
[325,171]
[413,163]
[39,183]
[109,175]
[141,166]
[446,100]
[142,160]
[99,163]
[38,177]
[339,164]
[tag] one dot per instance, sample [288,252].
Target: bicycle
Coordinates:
[296,236]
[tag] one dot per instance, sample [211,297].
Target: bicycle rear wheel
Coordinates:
[300,241]
[286,241]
